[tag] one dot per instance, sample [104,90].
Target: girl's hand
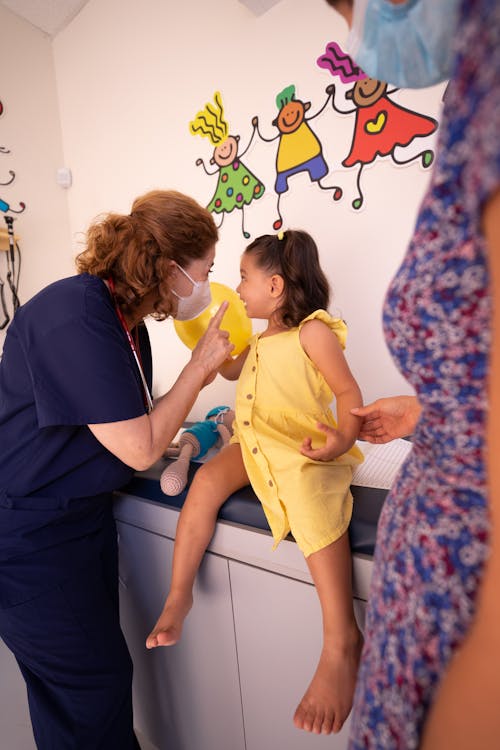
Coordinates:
[214,346]
[336,444]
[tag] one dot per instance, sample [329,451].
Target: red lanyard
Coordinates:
[148,402]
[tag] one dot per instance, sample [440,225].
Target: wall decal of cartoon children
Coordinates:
[236,186]
[381,125]
[299,148]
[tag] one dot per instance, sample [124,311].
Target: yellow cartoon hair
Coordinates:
[210,122]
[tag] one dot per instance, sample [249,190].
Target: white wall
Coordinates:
[30,129]
[131,76]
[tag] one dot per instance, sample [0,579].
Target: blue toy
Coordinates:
[195,442]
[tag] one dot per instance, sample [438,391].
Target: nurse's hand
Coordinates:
[214,346]
[336,444]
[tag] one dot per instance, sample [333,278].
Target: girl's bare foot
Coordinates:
[168,628]
[328,699]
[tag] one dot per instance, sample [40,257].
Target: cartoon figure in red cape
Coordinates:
[381,125]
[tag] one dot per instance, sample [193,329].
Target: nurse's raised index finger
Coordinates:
[216,320]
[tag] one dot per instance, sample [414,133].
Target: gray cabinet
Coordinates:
[278,636]
[187,696]
[250,644]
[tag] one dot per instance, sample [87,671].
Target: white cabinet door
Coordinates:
[278,637]
[187,696]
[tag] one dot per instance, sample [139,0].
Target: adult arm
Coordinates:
[466,711]
[323,348]
[388,418]
[141,441]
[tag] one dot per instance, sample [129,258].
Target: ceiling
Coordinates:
[51,16]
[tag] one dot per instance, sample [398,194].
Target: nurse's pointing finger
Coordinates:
[216,320]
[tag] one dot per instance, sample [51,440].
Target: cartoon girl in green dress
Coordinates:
[236,186]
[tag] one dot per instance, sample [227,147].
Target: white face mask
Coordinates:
[199,299]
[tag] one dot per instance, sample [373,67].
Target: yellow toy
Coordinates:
[235,320]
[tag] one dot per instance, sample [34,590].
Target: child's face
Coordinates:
[227,152]
[255,288]
[367,91]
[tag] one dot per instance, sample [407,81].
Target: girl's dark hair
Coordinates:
[294,257]
[136,249]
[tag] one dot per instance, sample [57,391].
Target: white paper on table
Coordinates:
[382,463]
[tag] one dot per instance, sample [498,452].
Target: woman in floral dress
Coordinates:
[434,531]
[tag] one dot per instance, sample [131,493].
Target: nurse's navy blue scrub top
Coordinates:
[66,363]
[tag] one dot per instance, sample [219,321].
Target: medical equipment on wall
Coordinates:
[9,244]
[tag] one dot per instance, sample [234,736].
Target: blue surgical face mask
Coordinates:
[408,45]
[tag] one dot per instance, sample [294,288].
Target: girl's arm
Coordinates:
[466,712]
[231,368]
[201,163]
[330,91]
[255,125]
[323,348]
[254,130]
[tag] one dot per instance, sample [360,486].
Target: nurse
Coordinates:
[76,420]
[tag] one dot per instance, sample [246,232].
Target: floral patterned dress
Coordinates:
[433,531]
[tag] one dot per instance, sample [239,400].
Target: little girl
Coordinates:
[287,444]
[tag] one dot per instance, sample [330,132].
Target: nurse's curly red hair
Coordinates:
[137,249]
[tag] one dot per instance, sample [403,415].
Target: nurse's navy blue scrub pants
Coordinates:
[73,656]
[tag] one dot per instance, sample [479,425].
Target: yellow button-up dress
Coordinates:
[280,397]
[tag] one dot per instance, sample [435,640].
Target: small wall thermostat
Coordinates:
[64,177]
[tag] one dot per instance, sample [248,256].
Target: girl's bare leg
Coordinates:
[328,699]
[211,486]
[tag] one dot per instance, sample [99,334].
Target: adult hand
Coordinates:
[388,418]
[336,444]
[214,346]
